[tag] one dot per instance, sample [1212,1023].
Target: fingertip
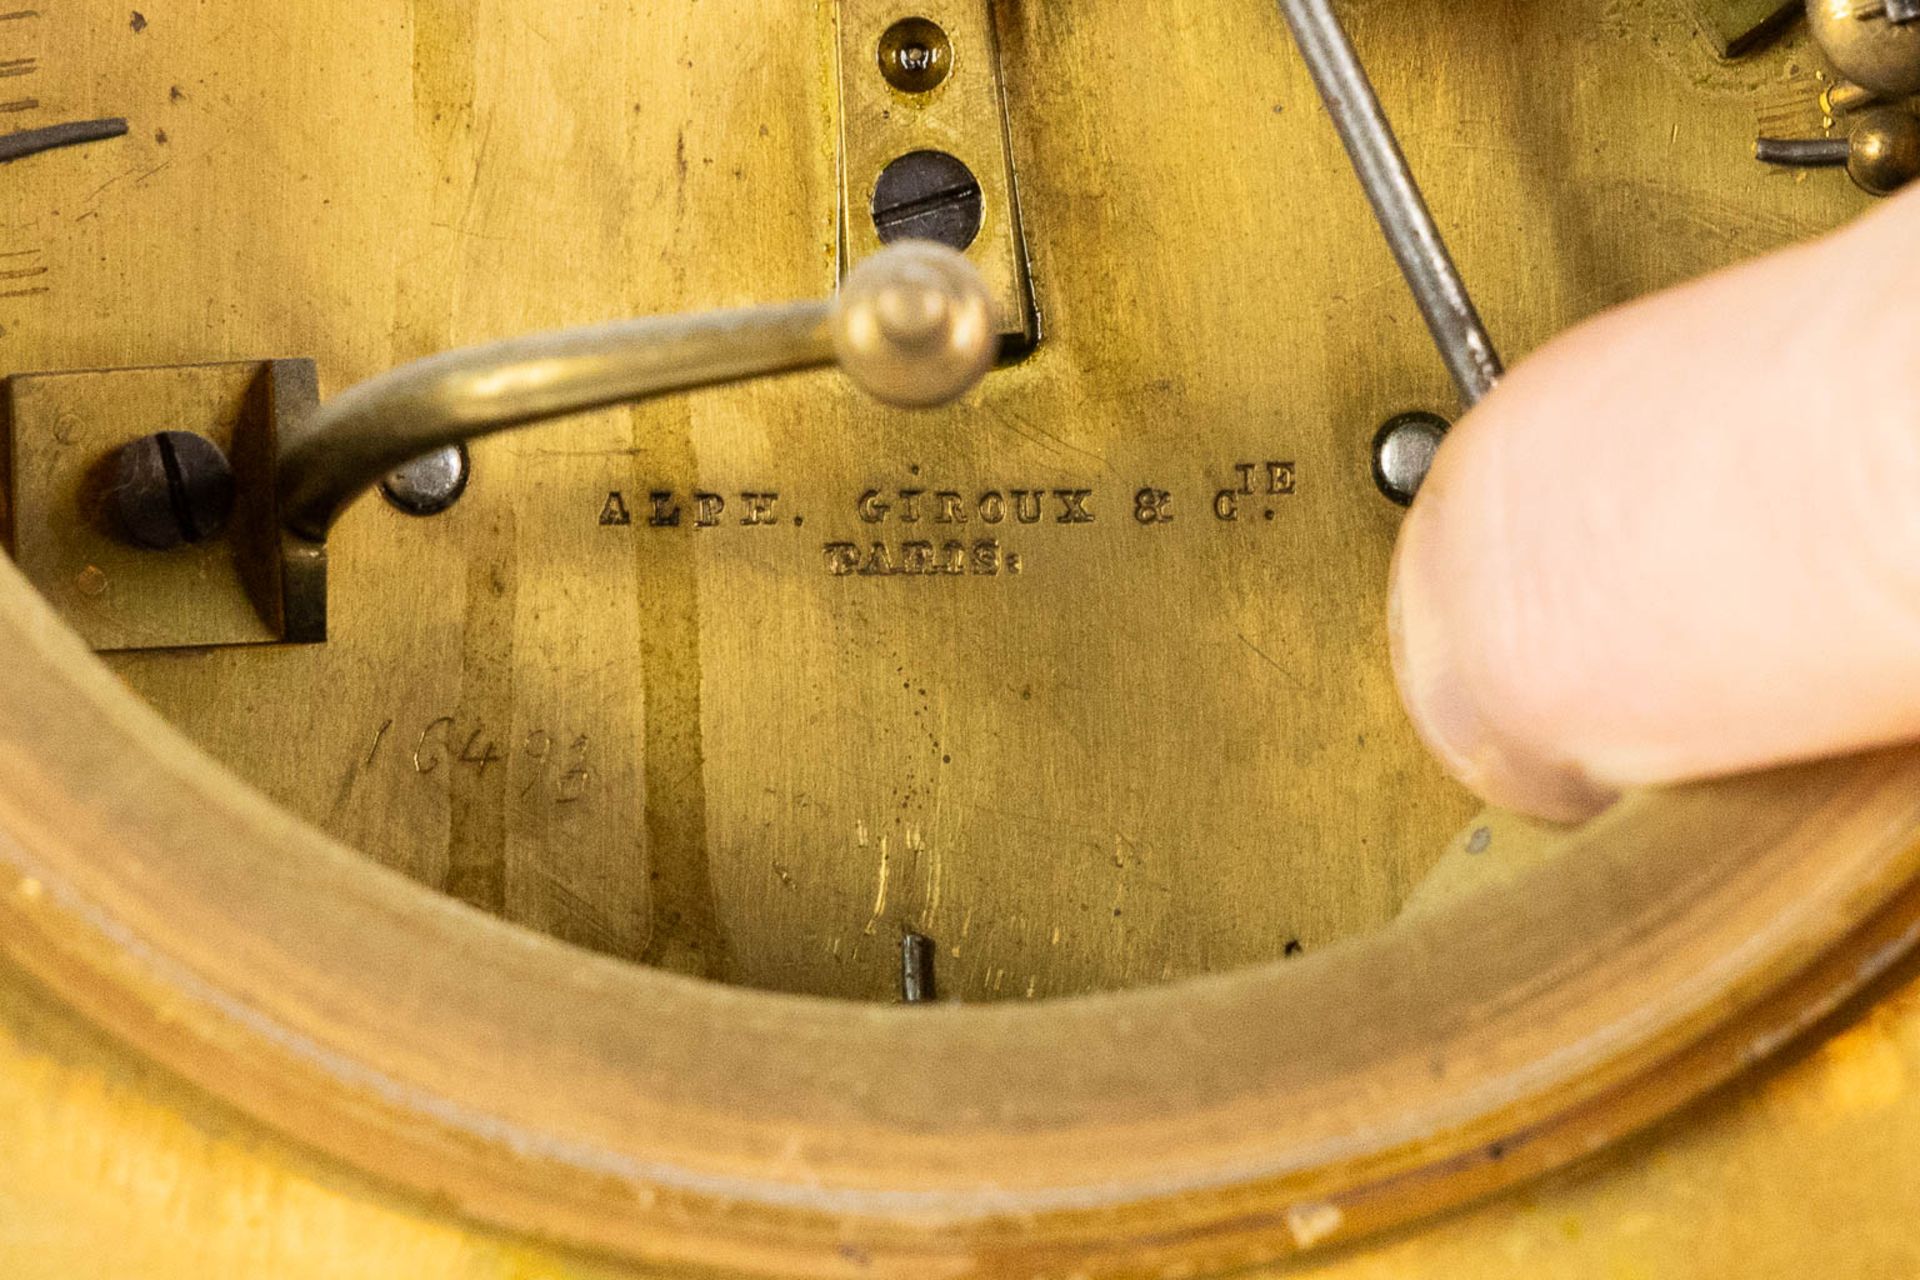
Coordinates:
[1675,543]
[1449,702]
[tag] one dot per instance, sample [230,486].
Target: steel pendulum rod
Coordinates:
[1397,203]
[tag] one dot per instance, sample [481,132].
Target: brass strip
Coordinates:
[964,115]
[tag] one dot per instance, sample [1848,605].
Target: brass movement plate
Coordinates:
[1161,747]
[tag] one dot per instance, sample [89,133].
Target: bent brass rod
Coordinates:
[1402,211]
[349,443]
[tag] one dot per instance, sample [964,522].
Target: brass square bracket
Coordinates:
[253,584]
[1739,27]
[943,96]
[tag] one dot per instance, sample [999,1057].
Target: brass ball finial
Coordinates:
[1884,150]
[1871,51]
[914,325]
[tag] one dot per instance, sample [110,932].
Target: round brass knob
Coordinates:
[914,325]
[1872,52]
[1884,150]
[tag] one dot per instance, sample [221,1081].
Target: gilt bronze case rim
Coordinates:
[1213,1122]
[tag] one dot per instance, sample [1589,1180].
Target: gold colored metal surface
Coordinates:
[63,430]
[956,104]
[112,1169]
[915,326]
[1162,747]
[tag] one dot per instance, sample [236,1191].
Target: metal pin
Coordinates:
[31,142]
[916,969]
[1881,151]
[1403,215]
[1803,153]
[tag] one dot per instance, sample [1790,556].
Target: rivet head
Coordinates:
[430,483]
[1403,453]
[171,489]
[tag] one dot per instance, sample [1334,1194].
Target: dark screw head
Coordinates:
[915,55]
[1403,453]
[171,489]
[927,195]
[429,485]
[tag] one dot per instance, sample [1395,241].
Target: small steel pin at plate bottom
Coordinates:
[916,969]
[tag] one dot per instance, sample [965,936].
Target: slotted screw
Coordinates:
[928,195]
[171,489]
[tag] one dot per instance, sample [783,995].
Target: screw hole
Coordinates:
[915,55]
